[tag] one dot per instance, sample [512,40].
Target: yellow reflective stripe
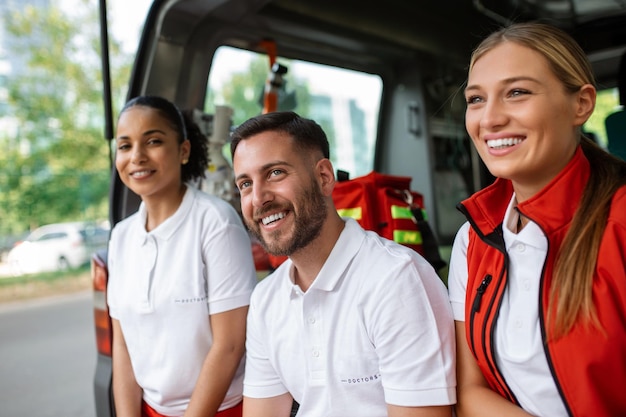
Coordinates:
[399,212]
[410,237]
[356,213]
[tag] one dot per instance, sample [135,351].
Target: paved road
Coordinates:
[47,357]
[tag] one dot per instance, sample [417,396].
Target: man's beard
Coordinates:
[308,224]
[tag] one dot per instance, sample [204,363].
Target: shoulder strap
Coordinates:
[430,246]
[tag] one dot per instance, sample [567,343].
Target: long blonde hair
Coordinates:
[571,297]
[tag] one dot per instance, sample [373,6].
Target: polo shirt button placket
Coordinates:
[149,266]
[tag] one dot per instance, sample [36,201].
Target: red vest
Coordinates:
[588,365]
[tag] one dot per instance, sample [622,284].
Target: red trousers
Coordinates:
[236,411]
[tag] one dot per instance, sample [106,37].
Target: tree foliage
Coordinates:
[55,164]
[244,90]
[606,103]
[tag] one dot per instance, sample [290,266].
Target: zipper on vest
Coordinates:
[479,293]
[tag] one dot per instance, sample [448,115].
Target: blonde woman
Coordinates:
[538,273]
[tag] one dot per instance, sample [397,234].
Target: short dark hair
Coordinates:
[184,125]
[307,134]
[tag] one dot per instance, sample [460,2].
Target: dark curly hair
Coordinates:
[184,125]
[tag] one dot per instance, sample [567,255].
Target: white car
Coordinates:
[58,246]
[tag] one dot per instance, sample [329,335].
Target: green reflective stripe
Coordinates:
[407,237]
[356,213]
[399,212]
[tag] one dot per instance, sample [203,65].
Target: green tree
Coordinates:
[55,166]
[606,103]
[244,91]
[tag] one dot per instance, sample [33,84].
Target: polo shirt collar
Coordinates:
[167,229]
[530,235]
[345,249]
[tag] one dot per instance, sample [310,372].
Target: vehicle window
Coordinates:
[94,234]
[607,102]
[50,236]
[344,102]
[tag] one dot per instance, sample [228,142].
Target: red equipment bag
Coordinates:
[387,205]
[379,203]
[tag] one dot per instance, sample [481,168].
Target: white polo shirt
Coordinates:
[375,327]
[519,346]
[163,285]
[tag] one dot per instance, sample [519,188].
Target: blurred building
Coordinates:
[10,64]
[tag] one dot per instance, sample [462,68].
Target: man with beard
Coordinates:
[351,324]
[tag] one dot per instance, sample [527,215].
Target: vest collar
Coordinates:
[552,208]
